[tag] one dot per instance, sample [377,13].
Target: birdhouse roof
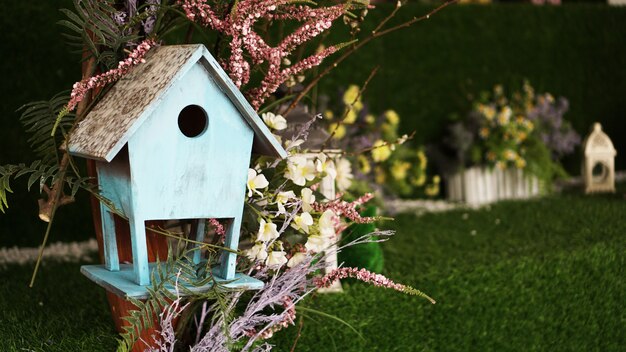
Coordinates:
[598,142]
[110,124]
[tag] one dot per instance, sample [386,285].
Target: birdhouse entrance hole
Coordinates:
[600,172]
[192,121]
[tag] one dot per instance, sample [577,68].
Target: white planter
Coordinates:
[481,185]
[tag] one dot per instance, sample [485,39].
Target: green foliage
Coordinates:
[176,274]
[39,119]
[428,72]
[38,172]
[366,255]
[92,25]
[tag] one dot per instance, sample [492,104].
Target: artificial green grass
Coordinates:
[540,275]
[63,312]
[544,275]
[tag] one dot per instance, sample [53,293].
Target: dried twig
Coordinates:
[350,50]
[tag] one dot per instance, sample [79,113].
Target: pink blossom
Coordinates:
[347,209]
[80,89]
[367,277]
[239,26]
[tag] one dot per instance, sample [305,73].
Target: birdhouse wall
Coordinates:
[175,176]
[114,181]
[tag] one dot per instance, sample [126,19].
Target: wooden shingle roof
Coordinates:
[110,124]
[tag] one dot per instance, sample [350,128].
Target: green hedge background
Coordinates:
[427,72]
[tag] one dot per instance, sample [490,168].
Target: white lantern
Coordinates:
[599,162]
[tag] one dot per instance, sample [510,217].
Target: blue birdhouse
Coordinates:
[171,140]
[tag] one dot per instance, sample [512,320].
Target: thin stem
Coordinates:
[295,341]
[358,45]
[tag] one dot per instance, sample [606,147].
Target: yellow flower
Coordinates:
[488,111]
[432,189]
[364,165]
[381,151]
[358,105]
[520,163]
[504,115]
[370,119]
[351,94]
[491,156]
[420,180]
[380,177]
[392,117]
[423,161]
[500,165]
[338,129]
[399,169]
[350,117]
[510,155]
[328,114]
[484,132]
[529,125]
[521,136]
[498,89]
[437,179]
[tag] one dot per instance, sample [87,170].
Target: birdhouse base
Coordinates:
[122,282]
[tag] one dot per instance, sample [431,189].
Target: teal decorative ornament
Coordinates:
[171,140]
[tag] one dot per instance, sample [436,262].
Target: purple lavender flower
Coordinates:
[557,134]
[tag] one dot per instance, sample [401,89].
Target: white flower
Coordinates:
[344,174]
[302,222]
[267,231]
[316,243]
[275,122]
[257,252]
[282,198]
[323,164]
[300,170]
[289,144]
[296,259]
[256,182]
[307,199]
[276,259]
[327,224]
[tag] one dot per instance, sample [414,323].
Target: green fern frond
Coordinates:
[39,119]
[39,172]
[90,24]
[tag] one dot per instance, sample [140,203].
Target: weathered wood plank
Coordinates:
[122,282]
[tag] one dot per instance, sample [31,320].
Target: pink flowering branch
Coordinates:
[247,48]
[219,229]
[134,58]
[378,32]
[347,209]
[80,89]
[367,277]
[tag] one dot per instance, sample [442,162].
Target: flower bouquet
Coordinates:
[509,146]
